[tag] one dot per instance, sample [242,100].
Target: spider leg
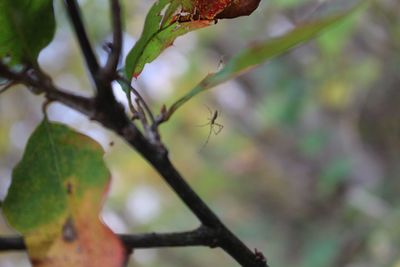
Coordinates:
[209,110]
[218,128]
[208,138]
[209,119]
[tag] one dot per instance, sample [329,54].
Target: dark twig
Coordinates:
[201,236]
[11,243]
[116,47]
[76,20]
[8,74]
[7,85]
[102,82]
[79,103]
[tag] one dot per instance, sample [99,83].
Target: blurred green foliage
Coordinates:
[306,167]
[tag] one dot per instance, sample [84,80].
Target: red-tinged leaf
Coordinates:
[209,9]
[238,8]
[221,9]
[55,199]
[169,19]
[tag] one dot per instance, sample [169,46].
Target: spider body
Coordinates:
[215,127]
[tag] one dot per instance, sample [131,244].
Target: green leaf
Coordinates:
[27,26]
[55,197]
[160,31]
[258,53]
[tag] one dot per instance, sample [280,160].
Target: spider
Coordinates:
[215,127]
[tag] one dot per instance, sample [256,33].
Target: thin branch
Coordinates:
[116,48]
[12,243]
[76,20]
[199,237]
[202,236]
[102,82]
[79,103]
[142,114]
[138,96]
[8,74]
[7,85]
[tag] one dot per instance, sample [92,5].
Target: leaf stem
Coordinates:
[139,97]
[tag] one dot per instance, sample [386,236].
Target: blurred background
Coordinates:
[306,168]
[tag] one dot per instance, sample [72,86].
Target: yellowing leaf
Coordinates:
[55,199]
